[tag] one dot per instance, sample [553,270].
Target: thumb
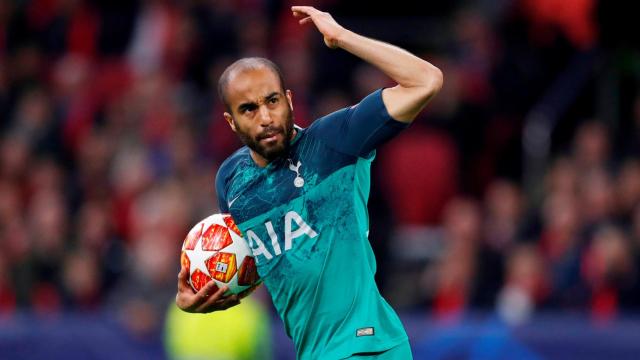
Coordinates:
[182,279]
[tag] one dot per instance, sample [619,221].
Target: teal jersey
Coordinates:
[305,218]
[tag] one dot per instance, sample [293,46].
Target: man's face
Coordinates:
[261,112]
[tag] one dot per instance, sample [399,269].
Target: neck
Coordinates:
[260,160]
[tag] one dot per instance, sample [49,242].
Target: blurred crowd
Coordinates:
[111,133]
[577,249]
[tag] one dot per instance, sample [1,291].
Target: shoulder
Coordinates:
[323,124]
[370,110]
[230,165]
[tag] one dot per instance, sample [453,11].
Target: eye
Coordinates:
[273,100]
[248,109]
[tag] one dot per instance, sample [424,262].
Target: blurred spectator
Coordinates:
[152,36]
[560,246]
[591,147]
[596,197]
[48,226]
[95,234]
[627,189]
[526,284]
[562,177]
[15,154]
[159,219]
[81,281]
[455,283]
[147,285]
[610,272]
[504,210]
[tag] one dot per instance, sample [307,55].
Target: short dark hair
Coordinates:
[243,64]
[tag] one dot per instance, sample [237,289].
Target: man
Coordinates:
[299,196]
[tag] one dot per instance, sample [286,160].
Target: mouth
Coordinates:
[269,137]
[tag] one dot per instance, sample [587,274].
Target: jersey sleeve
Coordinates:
[359,129]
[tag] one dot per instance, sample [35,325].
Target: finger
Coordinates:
[220,304]
[301,8]
[214,301]
[220,293]
[182,280]
[185,301]
[231,303]
[209,305]
[305,20]
[228,302]
[204,293]
[309,10]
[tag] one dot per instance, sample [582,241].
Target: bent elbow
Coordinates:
[434,80]
[429,84]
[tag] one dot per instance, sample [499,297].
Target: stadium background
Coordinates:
[506,221]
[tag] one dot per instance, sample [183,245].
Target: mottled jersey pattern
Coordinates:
[305,218]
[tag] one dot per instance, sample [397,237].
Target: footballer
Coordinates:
[299,196]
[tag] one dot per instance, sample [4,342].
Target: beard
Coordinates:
[270,152]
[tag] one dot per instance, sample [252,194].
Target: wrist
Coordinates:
[344,38]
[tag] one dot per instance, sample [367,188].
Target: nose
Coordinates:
[265,116]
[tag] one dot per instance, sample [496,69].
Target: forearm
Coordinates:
[418,81]
[400,65]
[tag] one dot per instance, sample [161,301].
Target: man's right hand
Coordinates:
[207,300]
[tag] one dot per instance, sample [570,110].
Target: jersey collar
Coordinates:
[298,134]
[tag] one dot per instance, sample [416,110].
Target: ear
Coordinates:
[289,95]
[230,121]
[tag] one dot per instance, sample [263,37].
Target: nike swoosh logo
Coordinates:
[233,200]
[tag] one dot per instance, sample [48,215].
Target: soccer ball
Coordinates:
[214,250]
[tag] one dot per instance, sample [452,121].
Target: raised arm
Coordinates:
[418,80]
